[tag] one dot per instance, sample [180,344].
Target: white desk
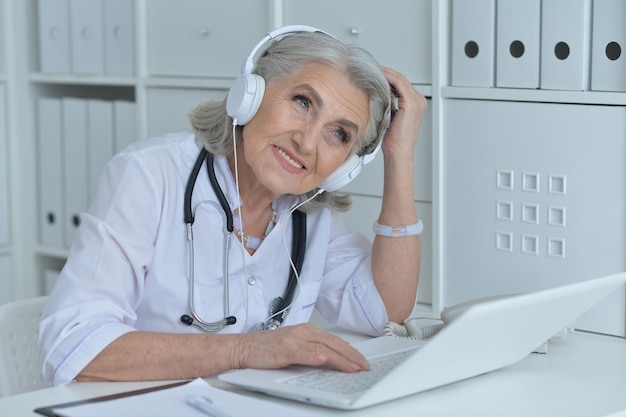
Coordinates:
[584,375]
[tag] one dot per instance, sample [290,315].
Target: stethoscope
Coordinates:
[280,305]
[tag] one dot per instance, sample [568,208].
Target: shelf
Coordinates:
[188,82]
[540,96]
[103,80]
[52,252]
[73,79]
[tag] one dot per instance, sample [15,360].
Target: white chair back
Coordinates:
[19,353]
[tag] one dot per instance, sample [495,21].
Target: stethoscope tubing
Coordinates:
[298,248]
[195,319]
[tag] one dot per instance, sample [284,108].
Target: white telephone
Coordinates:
[422,328]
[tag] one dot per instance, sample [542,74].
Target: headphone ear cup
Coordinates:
[244,98]
[343,175]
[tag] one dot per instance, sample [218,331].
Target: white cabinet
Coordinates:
[200,38]
[397,32]
[169,107]
[534,198]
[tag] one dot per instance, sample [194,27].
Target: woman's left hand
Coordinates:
[401,137]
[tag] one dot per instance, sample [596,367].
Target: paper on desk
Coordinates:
[171,402]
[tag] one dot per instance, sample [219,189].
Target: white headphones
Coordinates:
[246,94]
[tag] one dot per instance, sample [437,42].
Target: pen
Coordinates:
[204,404]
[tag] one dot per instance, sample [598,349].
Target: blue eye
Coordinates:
[342,135]
[302,101]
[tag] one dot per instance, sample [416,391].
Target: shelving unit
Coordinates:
[6,247]
[187,51]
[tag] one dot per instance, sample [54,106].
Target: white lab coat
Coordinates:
[128,267]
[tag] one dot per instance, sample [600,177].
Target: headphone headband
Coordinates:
[248,63]
[246,93]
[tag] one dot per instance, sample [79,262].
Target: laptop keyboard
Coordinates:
[350,383]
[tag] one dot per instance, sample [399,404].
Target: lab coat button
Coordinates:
[251,281]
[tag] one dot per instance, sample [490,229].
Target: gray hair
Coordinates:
[285,56]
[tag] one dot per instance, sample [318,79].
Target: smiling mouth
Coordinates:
[287,158]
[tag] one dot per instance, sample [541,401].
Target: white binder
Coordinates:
[119,57]
[75,164]
[100,131]
[473,38]
[50,173]
[6,279]
[608,57]
[517,43]
[124,116]
[87,36]
[566,26]
[54,37]
[4,175]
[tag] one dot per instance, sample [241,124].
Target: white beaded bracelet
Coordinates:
[399,231]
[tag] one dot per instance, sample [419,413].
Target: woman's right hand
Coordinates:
[303,344]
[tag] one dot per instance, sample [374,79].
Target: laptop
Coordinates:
[484,337]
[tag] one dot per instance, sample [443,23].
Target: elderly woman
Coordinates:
[155,244]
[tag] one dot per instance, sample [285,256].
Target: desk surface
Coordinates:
[583,375]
